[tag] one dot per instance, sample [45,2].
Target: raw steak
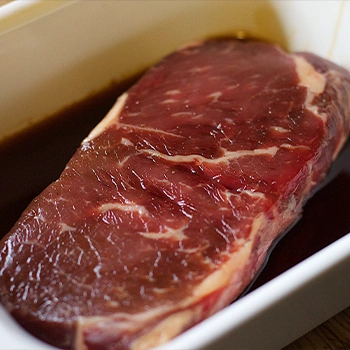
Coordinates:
[166,212]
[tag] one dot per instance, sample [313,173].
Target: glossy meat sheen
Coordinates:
[166,212]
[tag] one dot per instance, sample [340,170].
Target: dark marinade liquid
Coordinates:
[34,158]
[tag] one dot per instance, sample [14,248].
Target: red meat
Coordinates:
[166,212]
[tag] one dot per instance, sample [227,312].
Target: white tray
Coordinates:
[53,53]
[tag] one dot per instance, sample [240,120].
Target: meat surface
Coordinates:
[165,213]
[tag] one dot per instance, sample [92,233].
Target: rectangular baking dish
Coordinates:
[54,53]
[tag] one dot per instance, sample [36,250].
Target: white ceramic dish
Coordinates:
[53,53]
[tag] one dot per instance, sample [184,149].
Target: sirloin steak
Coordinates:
[165,213]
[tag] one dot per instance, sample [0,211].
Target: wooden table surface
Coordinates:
[332,334]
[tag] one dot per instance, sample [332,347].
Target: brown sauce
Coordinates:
[34,158]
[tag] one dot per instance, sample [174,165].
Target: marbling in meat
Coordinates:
[165,213]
